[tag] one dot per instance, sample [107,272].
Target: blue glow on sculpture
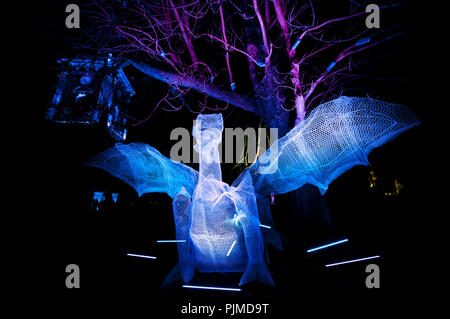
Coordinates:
[326,246]
[213,216]
[57,97]
[332,64]
[85,79]
[231,248]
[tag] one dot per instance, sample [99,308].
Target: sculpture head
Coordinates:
[208,133]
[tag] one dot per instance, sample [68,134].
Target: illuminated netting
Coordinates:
[221,227]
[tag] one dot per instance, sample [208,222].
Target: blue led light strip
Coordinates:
[141,256]
[231,248]
[352,261]
[212,288]
[172,241]
[327,245]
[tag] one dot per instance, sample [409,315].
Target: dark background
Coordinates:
[375,224]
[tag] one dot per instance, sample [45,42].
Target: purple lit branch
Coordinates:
[300,38]
[227,54]
[176,80]
[261,23]
[189,44]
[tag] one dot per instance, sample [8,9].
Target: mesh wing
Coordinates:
[145,169]
[336,136]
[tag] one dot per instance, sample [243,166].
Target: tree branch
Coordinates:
[261,23]
[186,38]
[178,80]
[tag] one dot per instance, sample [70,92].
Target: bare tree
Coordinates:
[294,59]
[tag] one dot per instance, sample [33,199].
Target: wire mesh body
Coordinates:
[218,224]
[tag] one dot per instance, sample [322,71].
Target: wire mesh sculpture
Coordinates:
[219,224]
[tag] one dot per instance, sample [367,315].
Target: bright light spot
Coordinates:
[328,245]
[212,288]
[234,243]
[351,261]
[294,46]
[141,256]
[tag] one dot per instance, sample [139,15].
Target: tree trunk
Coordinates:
[310,214]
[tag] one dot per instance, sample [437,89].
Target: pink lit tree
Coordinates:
[268,57]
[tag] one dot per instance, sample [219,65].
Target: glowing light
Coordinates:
[264,226]
[332,64]
[99,196]
[57,97]
[141,256]
[362,41]
[109,60]
[212,288]
[327,245]
[172,241]
[231,248]
[79,96]
[352,261]
[114,197]
[85,79]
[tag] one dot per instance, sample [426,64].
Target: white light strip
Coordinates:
[212,288]
[261,225]
[232,245]
[352,261]
[328,245]
[141,256]
[172,241]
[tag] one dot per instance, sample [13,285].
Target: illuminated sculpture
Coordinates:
[89,88]
[221,224]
